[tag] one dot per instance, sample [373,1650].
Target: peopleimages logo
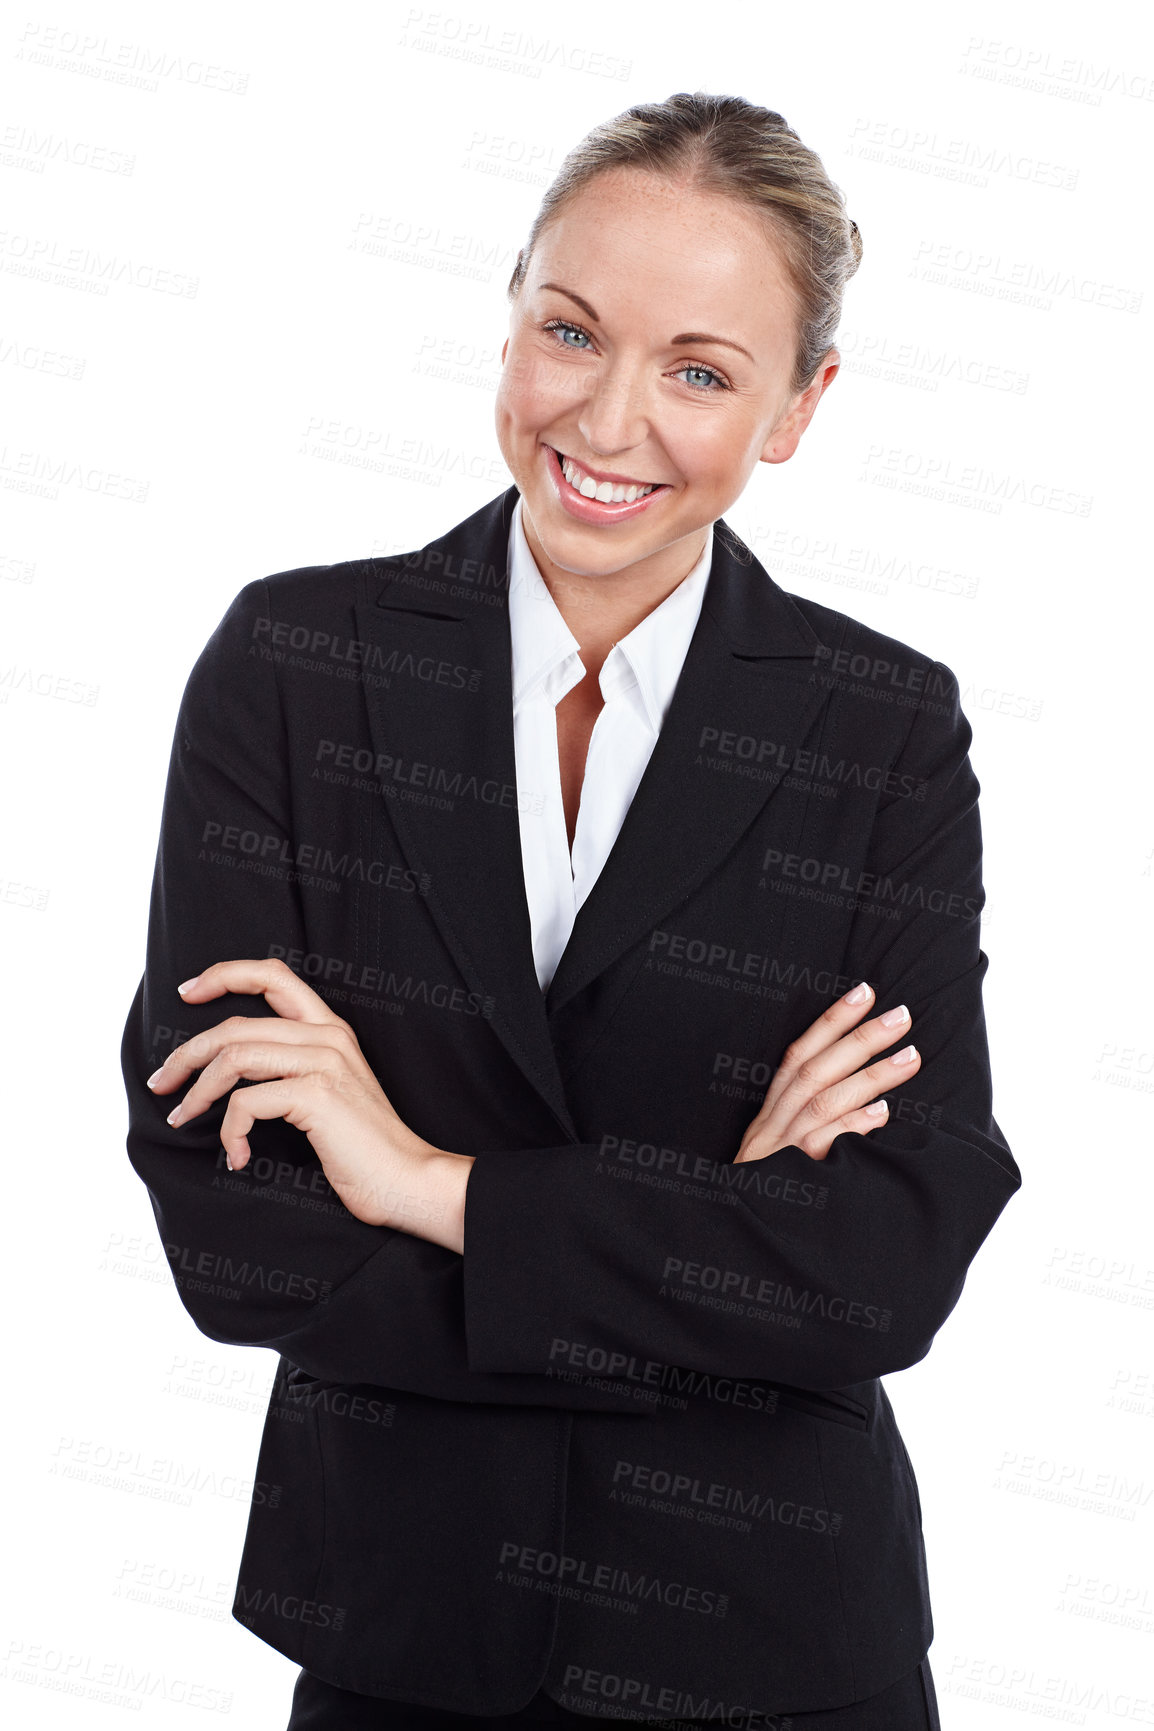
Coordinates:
[638,1484]
[731,1284]
[256,1601]
[654,1373]
[564,1572]
[827,873]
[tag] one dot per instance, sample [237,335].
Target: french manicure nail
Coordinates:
[858,995]
[876,1108]
[173,1115]
[905,1056]
[892,1018]
[155,1077]
[184,986]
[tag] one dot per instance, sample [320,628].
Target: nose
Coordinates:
[615,416]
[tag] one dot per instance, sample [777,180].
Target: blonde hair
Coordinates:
[726,145]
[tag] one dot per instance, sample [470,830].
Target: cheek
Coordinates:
[532,388]
[519,395]
[707,455]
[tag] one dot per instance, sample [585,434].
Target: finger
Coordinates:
[271,979]
[815,1142]
[830,1027]
[299,1100]
[834,1021]
[243,1060]
[853,1092]
[797,1082]
[203,1048]
[275,1099]
[818,1143]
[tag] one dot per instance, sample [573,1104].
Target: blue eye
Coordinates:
[560,325]
[705,373]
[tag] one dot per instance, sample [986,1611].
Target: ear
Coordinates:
[786,435]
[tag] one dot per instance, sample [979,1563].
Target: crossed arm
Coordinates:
[308,1068]
[452,1277]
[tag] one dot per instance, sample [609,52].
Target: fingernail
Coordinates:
[174,1115]
[155,1077]
[858,995]
[228,1160]
[893,1017]
[876,1108]
[905,1056]
[188,983]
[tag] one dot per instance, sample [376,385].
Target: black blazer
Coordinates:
[632,1446]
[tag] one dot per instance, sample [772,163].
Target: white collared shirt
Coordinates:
[638,679]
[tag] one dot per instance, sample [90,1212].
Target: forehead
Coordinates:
[632,241]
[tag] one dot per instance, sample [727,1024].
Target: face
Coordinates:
[651,345]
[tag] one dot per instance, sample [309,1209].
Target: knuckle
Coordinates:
[806,1074]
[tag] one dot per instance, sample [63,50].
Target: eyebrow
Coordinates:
[684,337]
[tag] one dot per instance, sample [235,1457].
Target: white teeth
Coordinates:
[607,492]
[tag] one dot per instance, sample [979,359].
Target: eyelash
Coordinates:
[690,366]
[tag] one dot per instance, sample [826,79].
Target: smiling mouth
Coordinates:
[605,492]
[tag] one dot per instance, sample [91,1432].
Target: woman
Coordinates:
[552,908]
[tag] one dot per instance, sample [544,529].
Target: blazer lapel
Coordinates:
[450,776]
[445,741]
[749,673]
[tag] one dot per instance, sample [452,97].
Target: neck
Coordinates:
[601,609]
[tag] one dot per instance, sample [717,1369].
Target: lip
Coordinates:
[593,510]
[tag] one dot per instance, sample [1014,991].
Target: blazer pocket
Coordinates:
[837,1408]
[294,1377]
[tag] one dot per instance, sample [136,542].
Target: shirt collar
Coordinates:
[651,655]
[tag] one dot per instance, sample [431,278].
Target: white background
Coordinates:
[319,394]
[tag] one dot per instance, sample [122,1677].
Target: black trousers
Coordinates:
[910,1705]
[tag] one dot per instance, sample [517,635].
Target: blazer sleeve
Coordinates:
[563,1264]
[280,1263]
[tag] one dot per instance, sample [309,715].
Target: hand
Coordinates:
[818,1089]
[311,1072]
